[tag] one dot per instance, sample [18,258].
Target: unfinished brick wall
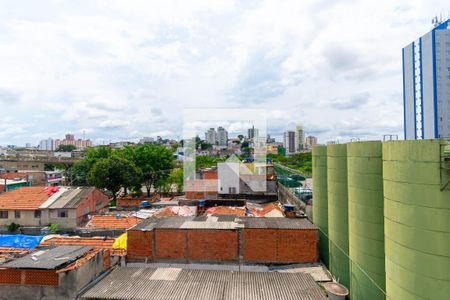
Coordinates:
[213,245]
[140,244]
[280,245]
[29,277]
[209,245]
[170,244]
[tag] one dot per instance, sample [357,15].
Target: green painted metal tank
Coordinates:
[320,199]
[338,212]
[366,220]
[417,220]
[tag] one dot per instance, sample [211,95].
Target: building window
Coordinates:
[62,213]
[37,214]
[3,214]
[17,214]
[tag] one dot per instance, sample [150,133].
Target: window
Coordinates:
[37,214]
[17,214]
[62,213]
[3,214]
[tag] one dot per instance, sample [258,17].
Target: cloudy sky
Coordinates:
[121,70]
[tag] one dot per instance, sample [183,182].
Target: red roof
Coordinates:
[24,198]
[11,176]
[112,222]
[97,242]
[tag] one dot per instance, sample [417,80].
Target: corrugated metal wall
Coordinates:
[366,221]
[320,195]
[338,212]
[417,221]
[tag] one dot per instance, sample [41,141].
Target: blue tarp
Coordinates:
[20,240]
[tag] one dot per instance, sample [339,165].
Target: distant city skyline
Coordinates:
[122,72]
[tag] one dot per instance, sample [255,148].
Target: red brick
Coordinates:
[29,277]
[170,244]
[260,245]
[280,246]
[140,244]
[213,245]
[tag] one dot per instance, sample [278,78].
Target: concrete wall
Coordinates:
[26,218]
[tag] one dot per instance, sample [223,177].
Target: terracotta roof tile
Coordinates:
[13,250]
[97,242]
[24,198]
[226,210]
[81,261]
[111,222]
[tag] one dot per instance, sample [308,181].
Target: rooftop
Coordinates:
[175,283]
[112,222]
[49,259]
[224,222]
[24,198]
[33,198]
[96,242]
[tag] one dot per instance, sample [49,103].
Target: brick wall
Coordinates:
[213,245]
[139,244]
[170,244]
[280,246]
[258,245]
[29,277]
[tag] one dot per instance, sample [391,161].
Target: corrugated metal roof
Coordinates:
[277,223]
[223,222]
[71,198]
[49,259]
[137,283]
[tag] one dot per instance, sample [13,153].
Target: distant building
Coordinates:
[272,148]
[70,140]
[147,140]
[300,133]
[270,140]
[47,145]
[252,133]
[290,142]
[310,141]
[426,84]
[211,136]
[222,136]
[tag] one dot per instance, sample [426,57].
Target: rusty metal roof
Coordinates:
[173,283]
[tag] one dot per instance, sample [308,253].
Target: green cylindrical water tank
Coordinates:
[417,220]
[320,199]
[366,220]
[338,212]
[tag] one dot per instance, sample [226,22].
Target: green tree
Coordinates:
[156,162]
[66,148]
[113,173]
[78,173]
[176,177]
[94,154]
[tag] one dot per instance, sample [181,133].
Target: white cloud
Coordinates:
[126,69]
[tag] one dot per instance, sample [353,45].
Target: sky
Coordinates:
[122,70]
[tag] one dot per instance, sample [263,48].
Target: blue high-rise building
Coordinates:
[426,84]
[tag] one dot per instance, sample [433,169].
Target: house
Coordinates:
[54,273]
[67,207]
